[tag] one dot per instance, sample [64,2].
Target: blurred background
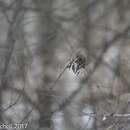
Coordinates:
[65,64]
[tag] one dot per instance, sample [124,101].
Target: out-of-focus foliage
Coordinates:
[65,64]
